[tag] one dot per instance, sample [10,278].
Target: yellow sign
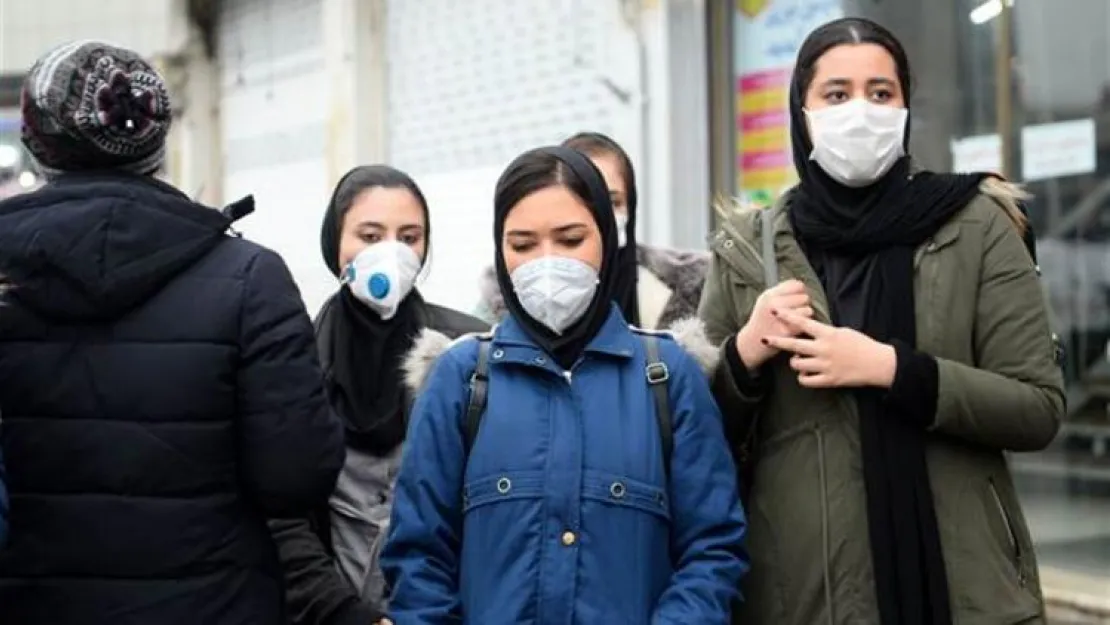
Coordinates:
[752,8]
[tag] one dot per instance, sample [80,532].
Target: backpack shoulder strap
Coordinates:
[479,389]
[657,375]
[767,234]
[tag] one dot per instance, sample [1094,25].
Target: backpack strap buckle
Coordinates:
[657,373]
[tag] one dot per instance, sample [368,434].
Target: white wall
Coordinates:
[301,102]
[28,28]
[675,177]
[274,114]
[472,85]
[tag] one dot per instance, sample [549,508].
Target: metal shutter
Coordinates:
[273,113]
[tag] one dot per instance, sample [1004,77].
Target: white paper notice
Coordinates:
[978,153]
[1058,149]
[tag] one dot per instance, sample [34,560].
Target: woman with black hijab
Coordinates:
[905,348]
[374,238]
[655,287]
[578,499]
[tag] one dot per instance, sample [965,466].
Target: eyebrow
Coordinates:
[569,227]
[559,230]
[380,226]
[871,82]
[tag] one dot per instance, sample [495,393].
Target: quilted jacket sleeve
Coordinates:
[3,502]
[316,593]
[290,443]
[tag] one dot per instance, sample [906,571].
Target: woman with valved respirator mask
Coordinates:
[565,505]
[375,240]
[905,347]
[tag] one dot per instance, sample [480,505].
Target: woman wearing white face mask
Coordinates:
[655,287]
[577,500]
[374,238]
[877,384]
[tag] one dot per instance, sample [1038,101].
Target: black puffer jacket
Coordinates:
[161,397]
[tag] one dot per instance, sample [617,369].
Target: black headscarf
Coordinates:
[362,353]
[861,243]
[533,171]
[625,287]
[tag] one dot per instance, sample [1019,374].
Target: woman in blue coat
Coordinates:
[570,503]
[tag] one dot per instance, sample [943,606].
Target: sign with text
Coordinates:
[1058,149]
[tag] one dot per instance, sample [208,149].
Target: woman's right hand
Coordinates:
[788,295]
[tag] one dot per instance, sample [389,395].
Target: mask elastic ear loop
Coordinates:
[425,266]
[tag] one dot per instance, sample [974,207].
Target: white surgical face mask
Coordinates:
[622,228]
[555,290]
[858,141]
[382,275]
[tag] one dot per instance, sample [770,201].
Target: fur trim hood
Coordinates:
[430,345]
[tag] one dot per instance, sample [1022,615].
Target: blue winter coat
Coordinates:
[563,512]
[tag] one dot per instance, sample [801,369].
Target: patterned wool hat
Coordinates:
[91,105]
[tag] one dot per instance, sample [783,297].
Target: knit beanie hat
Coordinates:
[89,105]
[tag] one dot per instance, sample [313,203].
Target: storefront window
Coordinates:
[17,171]
[1021,88]
[768,34]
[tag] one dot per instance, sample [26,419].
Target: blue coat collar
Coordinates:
[614,339]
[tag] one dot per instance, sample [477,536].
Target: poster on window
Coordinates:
[768,34]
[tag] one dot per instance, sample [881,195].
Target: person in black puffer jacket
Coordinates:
[159,382]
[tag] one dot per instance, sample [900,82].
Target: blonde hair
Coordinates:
[1008,196]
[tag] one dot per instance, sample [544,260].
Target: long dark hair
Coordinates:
[596,144]
[348,189]
[530,172]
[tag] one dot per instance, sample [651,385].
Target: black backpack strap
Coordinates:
[479,389]
[657,377]
[237,210]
